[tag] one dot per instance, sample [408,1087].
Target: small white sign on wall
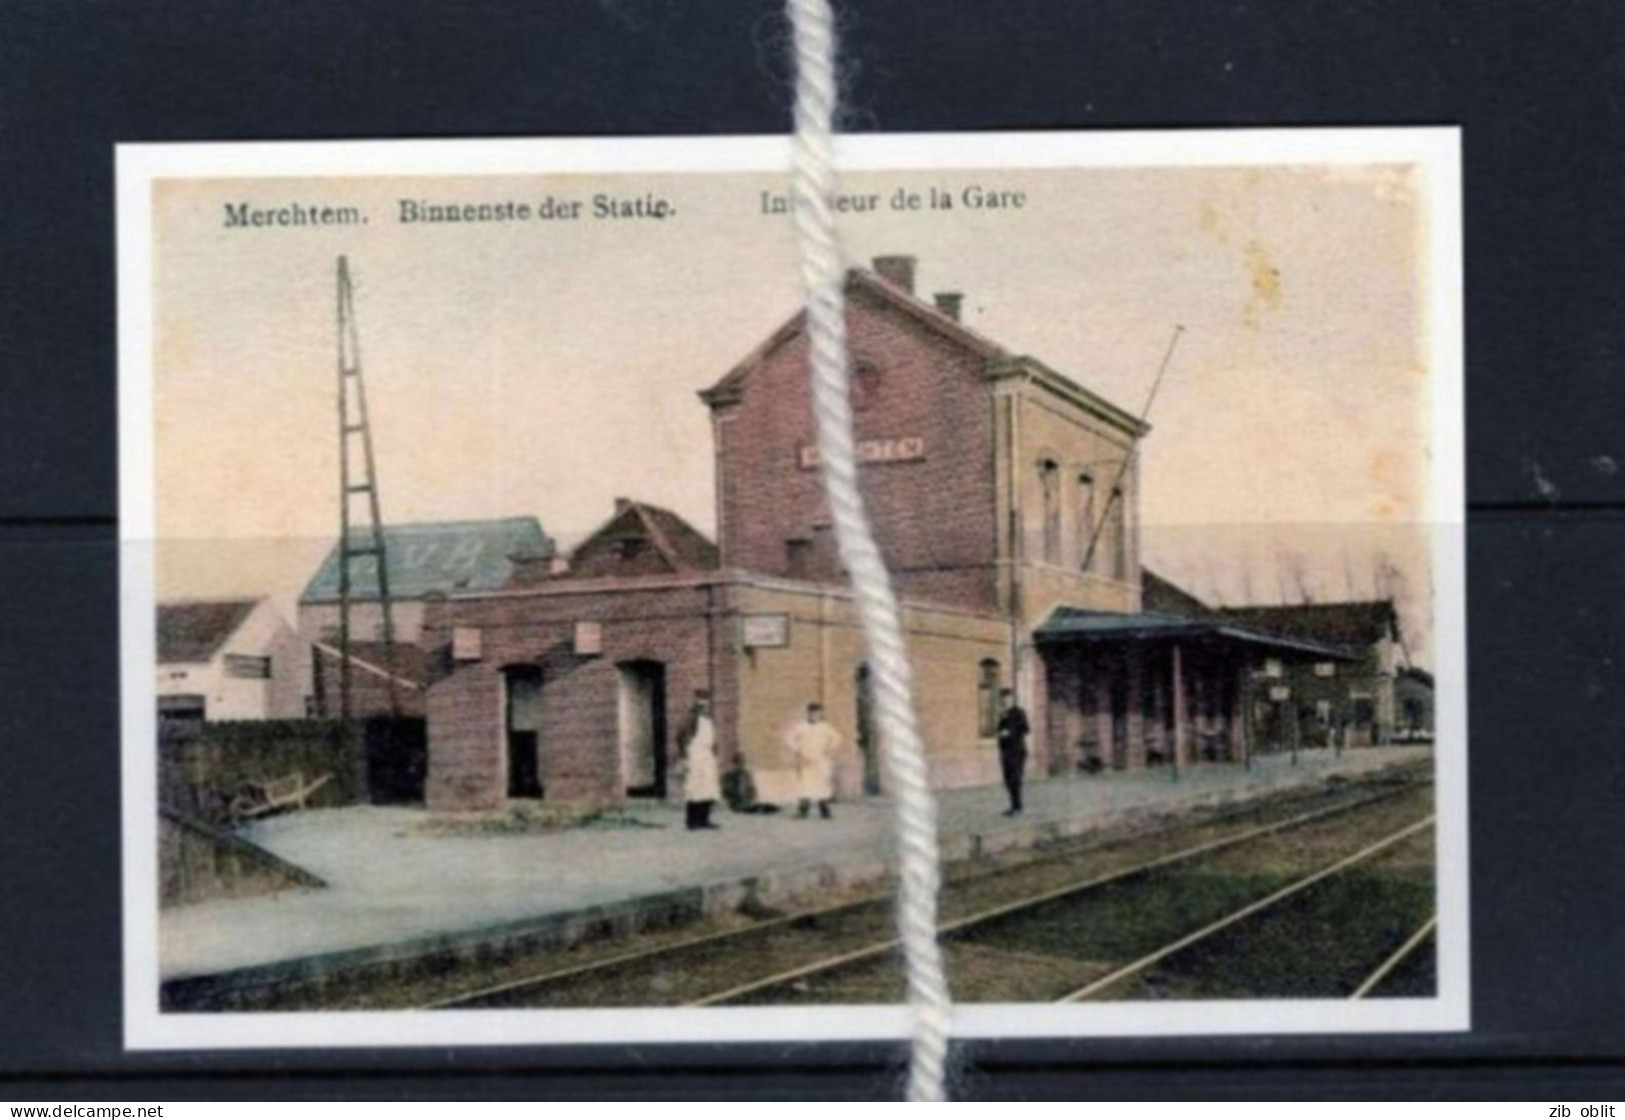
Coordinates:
[589,639]
[765,631]
[467,643]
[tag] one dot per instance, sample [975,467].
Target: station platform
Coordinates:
[400,885]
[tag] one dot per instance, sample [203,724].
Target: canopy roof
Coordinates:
[1071,625]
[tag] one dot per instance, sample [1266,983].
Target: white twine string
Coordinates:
[813,183]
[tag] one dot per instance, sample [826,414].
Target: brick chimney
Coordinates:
[896,271]
[949,303]
[622,505]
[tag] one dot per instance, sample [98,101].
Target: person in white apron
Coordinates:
[697,748]
[814,744]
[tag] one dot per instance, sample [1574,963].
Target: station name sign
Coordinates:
[764,631]
[900,449]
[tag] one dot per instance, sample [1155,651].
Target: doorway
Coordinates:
[524,723]
[868,740]
[642,723]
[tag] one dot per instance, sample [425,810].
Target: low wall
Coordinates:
[202,767]
[198,862]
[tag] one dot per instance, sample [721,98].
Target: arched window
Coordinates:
[1119,534]
[1049,481]
[1088,559]
[987,698]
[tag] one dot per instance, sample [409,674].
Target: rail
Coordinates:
[1117,976]
[1396,959]
[513,991]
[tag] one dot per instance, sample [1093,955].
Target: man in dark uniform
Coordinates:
[1013,729]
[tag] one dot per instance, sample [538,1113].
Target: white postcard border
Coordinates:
[1435,150]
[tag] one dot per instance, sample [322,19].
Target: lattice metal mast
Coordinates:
[352,390]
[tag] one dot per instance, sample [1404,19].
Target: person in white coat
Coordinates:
[697,748]
[815,745]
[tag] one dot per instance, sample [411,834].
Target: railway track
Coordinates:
[845,953]
[1246,921]
[1409,971]
[1250,952]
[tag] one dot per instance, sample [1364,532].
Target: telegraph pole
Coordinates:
[361,480]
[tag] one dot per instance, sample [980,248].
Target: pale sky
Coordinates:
[545,368]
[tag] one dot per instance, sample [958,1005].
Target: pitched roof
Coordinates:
[435,556]
[191,633]
[1359,622]
[673,544]
[684,545]
[1159,594]
[1000,361]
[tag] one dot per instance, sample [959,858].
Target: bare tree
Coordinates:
[1388,577]
[1393,585]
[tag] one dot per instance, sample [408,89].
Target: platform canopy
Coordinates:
[1072,626]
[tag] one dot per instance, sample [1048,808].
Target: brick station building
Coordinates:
[1004,496]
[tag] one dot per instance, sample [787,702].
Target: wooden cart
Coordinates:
[273,795]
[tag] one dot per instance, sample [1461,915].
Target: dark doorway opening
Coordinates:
[184,711]
[524,721]
[868,739]
[397,759]
[643,728]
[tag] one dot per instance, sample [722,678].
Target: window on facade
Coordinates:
[987,697]
[250,668]
[865,385]
[1119,535]
[1325,669]
[633,547]
[1323,712]
[798,557]
[1049,480]
[1087,558]
[1272,667]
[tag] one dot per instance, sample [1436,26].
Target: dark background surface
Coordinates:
[1539,88]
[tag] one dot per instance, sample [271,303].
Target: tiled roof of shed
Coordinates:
[1358,622]
[442,556]
[1160,594]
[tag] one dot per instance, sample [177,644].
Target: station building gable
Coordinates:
[923,425]
[976,461]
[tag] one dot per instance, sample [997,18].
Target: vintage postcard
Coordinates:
[491,674]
